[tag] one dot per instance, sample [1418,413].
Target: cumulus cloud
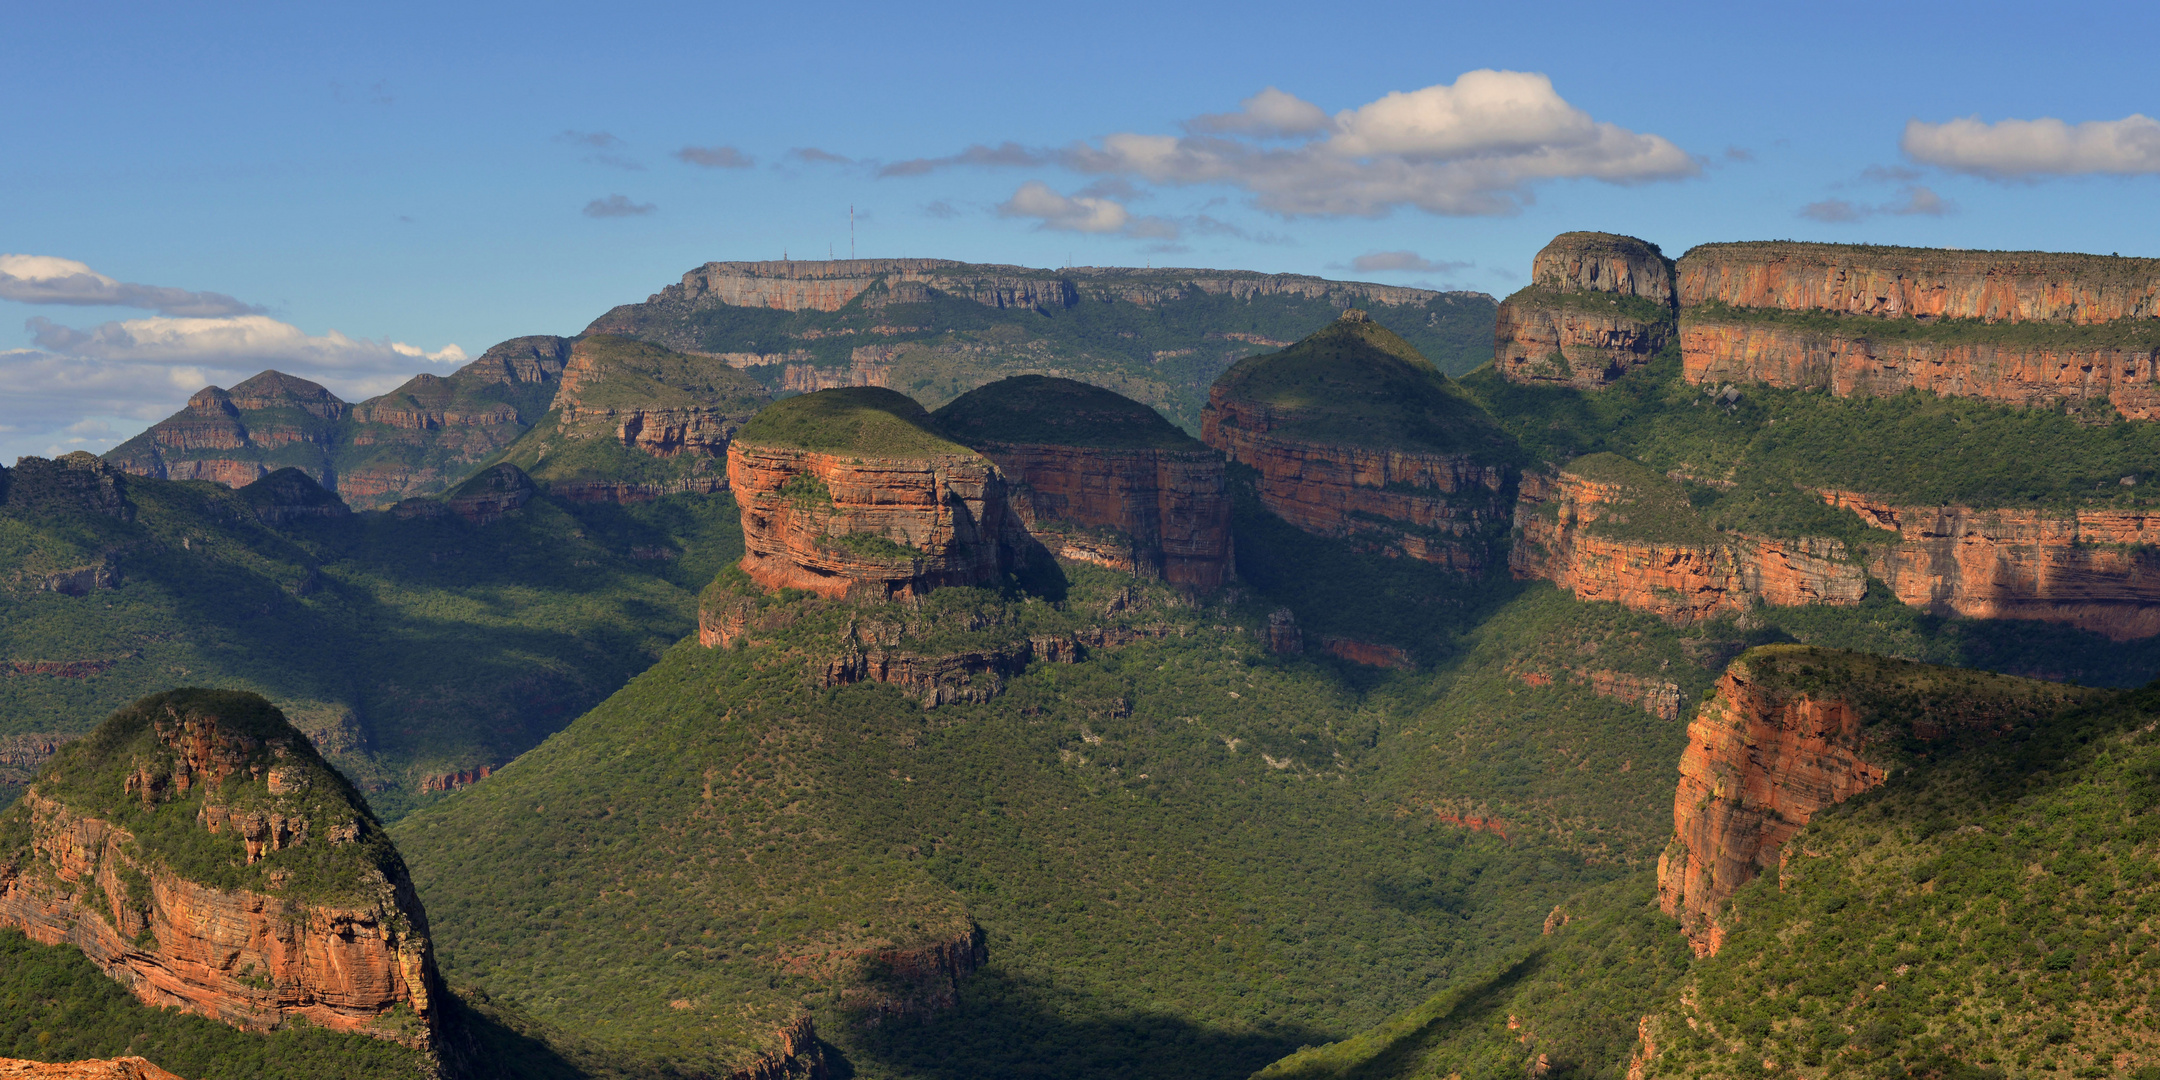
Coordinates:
[48,279]
[1374,262]
[1914,200]
[1081,213]
[2015,149]
[1475,146]
[1269,112]
[715,157]
[88,388]
[617,206]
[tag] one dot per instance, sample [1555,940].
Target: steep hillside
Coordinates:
[414,440]
[935,329]
[198,850]
[418,650]
[1354,434]
[634,421]
[1098,477]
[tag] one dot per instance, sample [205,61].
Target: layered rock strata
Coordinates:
[1391,460]
[1792,729]
[1100,478]
[125,1068]
[258,807]
[1696,575]
[234,437]
[2096,569]
[1598,306]
[891,509]
[1886,333]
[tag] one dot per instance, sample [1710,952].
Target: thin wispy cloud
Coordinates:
[814,156]
[1477,146]
[1914,201]
[715,157]
[49,279]
[617,206]
[1388,262]
[2031,149]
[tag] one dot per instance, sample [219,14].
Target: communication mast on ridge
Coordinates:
[851,231]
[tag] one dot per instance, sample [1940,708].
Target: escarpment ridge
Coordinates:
[1793,729]
[198,850]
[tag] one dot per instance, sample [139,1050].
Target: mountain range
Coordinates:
[916,669]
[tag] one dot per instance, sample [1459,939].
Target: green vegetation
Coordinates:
[625,373]
[1892,447]
[856,419]
[2136,335]
[91,776]
[1640,309]
[1985,915]
[405,647]
[1039,409]
[1356,382]
[1643,506]
[55,1005]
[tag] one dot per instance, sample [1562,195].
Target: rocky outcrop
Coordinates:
[1683,573]
[1368,653]
[1657,697]
[77,483]
[1391,459]
[290,495]
[2097,569]
[233,437]
[120,829]
[126,1068]
[496,491]
[1921,283]
[1717,350]
[1598,306]
[891,509]
[1098,477]
[1793,729]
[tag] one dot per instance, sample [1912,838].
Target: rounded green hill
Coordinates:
[1044,410]
[853,419]
[1355,382]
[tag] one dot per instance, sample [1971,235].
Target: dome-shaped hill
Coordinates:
[1355,383]
[854,419]
[1044,410]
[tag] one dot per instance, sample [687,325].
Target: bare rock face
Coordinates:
[1598,306]
[126,1068]
[854,493]
[1717,350]
[197,848]
[1921,283]
[1793,729]
[1607,529]
[2092,568]
[1098,477]
[1595,262]
[1354,435]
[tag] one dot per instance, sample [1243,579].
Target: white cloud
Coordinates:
[2044,147]
[49,279]
[235,341]
[1476,146]
[1081,213]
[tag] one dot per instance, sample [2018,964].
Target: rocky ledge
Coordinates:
[199,850]
[1792,729]
[1598,306]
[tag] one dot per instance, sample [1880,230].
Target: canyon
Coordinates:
[1791,730]
[256,954]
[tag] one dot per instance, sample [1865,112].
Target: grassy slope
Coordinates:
[855,419]
[403,647]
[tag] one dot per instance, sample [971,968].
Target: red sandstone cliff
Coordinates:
[1716,350]
[1598,305]
[1791,730]
[1682,580]
[349,953]
[126,1068]
[1904,283]
[2096,569]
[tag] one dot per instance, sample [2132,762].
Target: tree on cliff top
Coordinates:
[1045,410]
[853,419]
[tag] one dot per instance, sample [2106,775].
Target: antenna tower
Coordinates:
[851,231]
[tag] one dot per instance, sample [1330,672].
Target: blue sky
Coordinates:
[356,193]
